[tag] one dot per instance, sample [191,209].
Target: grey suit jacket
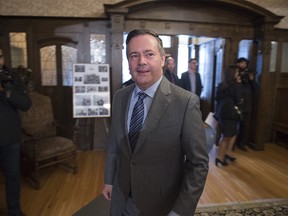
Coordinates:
[169,165]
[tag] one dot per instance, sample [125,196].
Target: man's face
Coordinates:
[1,58]
[145,60]
[242,65]
[193,65]
[170,65]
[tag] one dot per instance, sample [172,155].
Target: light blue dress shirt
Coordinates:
[192,81]
[147,100]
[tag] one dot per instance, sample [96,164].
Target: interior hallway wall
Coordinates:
[95,9]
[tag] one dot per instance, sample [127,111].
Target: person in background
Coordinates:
[157,159]
[191,80]
[13,97]
[169,71]
[229,100]
[247,90]
[127,83]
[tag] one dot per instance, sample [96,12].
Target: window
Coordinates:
[183,54]
[69,57]
[244,48]
[125,68]
[18,46]
[166,40]
[273,56]
[98,48]
[284,65]
[48,66]
[48,55]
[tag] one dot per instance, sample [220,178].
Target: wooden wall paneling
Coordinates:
[280,122]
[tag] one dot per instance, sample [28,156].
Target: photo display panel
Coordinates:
[91,90]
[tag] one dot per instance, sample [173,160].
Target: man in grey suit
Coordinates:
[165,171]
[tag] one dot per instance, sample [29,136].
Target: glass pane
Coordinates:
[244,48]
[284,65]
[166,40]
[273,56]
[125,68]
[18,48]
[98,48]
[183,54]
[48,66]
[69,57]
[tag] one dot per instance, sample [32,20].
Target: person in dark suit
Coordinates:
[248,89]
[12,98]
[191,80]
[127,83]
[164,171]
[169,71]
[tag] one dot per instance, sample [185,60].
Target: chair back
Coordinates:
[39,121]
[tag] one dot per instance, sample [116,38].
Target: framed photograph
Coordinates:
[91,90]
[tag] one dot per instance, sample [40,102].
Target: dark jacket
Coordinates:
[172,76]
[227,98]
[185,82]
[10,125]
[247,92]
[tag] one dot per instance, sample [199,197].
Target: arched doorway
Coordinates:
[231,20]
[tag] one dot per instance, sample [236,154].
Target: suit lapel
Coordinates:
[189,87]
[160,102]
[123,120]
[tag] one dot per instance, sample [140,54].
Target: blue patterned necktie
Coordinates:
[136,120]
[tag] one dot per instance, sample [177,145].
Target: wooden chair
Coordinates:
[41,146]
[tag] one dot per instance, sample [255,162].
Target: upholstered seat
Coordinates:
[41,146]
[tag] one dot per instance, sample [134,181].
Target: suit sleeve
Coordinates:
[181,81]
[111,160]
[196,164]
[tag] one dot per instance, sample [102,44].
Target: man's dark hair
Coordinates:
[193,59]
[242,59]
[137,32]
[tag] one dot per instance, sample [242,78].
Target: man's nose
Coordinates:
[142,60]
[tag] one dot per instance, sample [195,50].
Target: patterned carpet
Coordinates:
[269,207]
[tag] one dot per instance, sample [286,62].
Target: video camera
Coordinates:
[6,79]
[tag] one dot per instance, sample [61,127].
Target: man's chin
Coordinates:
[143,82]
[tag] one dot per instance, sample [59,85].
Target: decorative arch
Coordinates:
[233,20]
[148,13]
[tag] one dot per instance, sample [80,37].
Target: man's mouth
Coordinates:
[142,71]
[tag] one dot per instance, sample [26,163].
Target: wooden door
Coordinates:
[56,69]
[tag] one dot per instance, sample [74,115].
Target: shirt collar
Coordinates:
[149,91]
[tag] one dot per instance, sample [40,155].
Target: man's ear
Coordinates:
[163,60]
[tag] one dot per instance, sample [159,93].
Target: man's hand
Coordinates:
[107,191]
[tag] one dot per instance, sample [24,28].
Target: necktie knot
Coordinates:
[142,95]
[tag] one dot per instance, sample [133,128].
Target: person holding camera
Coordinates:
[248,85]
[13,97]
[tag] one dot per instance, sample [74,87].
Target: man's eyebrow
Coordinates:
[132,53]
[145,51]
